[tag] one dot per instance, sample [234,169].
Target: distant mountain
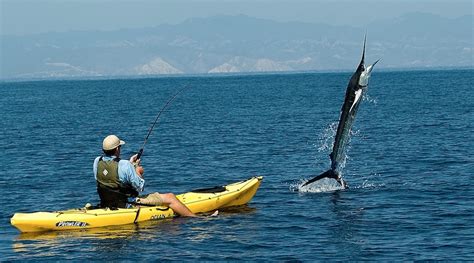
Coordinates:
[239,44]
[156,66]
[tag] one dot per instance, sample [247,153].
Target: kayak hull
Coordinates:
[201,201]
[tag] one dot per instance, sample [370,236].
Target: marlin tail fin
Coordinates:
[328,174]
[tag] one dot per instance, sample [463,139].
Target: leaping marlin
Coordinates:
[355,89]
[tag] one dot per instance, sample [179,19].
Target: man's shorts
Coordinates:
[150,199]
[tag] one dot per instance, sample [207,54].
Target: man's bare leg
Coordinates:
[178,207]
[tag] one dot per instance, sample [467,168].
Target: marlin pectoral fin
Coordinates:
[358,95]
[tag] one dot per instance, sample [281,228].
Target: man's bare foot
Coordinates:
[216,213]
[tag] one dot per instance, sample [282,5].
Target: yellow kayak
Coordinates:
[198,201]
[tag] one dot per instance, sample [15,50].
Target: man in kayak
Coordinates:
[119,182]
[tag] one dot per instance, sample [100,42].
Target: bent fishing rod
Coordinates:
[168,103]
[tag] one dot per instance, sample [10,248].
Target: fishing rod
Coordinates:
[140,152]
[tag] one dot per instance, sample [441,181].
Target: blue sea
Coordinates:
[409,165]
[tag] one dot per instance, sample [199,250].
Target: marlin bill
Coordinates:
[355,90]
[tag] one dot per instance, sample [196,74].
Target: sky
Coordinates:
[24,17]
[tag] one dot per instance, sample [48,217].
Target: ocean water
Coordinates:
[409,166]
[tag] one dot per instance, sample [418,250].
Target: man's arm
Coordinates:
[94,167]
[127,174]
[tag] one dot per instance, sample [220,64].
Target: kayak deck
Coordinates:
[199,201]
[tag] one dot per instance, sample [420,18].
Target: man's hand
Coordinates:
[134,160]
[136,163]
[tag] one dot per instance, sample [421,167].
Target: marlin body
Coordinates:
[355,90]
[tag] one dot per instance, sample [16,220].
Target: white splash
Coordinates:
[321,186]
[372,181]
[326,139]
[369,99]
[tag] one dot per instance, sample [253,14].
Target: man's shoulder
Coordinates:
[125,163]
[96,160]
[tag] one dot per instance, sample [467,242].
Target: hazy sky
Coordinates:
[21,17]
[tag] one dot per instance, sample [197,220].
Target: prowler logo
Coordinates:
[71,223]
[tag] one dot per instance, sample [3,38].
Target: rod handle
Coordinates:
[139,154]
